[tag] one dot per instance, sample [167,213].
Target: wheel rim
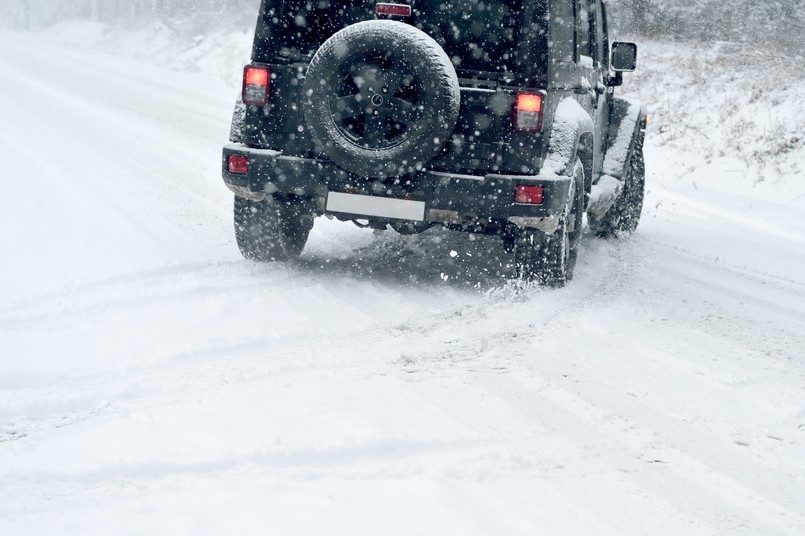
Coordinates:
[377,103]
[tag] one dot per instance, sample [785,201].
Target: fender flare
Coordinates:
[571,134]
[627,121]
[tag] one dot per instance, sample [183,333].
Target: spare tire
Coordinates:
[380,98]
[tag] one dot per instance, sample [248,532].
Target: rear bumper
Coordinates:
[449,198]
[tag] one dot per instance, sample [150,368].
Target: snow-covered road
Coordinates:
[153,382]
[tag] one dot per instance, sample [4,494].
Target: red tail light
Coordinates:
[528,195]
[237,164]
[255,85]
[528,111]
[393,10]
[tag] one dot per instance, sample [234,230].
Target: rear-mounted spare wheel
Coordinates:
[381,98]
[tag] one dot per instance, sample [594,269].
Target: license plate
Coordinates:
[380,207]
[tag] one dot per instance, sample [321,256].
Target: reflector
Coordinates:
[528,195]
[237,164]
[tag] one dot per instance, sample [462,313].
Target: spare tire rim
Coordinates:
[377,103]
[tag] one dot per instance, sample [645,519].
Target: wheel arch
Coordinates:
[571,136]
[584,151]
[627,122]
[626,131]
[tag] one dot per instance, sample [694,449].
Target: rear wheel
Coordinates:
[272,229]
[551,258]
[624,215]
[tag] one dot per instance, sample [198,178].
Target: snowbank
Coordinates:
[191,45]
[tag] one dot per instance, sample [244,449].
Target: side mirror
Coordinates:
[624,56]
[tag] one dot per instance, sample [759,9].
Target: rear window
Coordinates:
[477,35]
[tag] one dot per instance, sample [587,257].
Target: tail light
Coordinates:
[528,111]
[528,195]
[255,85]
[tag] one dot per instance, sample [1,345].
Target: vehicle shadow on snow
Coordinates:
[442,258]
[438,257]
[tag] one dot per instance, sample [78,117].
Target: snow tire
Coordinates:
[272,229]
[551,259]
[624,215]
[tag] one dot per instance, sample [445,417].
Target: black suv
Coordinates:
[484,116]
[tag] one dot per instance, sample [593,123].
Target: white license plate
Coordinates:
[380,207]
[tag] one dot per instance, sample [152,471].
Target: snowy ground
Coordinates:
[153,382]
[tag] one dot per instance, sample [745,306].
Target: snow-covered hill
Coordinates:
[727,117]
[153,382]
[216,48]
